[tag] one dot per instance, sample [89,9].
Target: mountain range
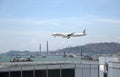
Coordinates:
[95,48]
[92,48]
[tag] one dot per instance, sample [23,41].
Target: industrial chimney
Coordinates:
[47,47]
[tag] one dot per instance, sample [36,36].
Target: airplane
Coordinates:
[68,35]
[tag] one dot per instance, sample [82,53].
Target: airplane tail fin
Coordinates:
[84,31]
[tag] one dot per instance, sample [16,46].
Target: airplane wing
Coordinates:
[68,35]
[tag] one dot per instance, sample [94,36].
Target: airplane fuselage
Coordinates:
[68,35]
[78,34]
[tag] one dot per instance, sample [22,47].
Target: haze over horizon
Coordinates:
[24,24]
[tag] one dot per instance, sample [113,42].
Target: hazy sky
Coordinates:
[26,23]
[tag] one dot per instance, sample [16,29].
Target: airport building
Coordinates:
[109,66]
[105,67]
[49,69]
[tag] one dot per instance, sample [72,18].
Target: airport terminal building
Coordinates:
[105,67]
[49,69]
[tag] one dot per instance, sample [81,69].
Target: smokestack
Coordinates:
[40,49]
[47,47]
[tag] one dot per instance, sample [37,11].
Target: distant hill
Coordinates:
[95,48]
[17,53]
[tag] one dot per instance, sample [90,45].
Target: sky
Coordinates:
[24,24]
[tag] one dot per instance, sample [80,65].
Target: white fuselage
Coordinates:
[78,34]
[68,35]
